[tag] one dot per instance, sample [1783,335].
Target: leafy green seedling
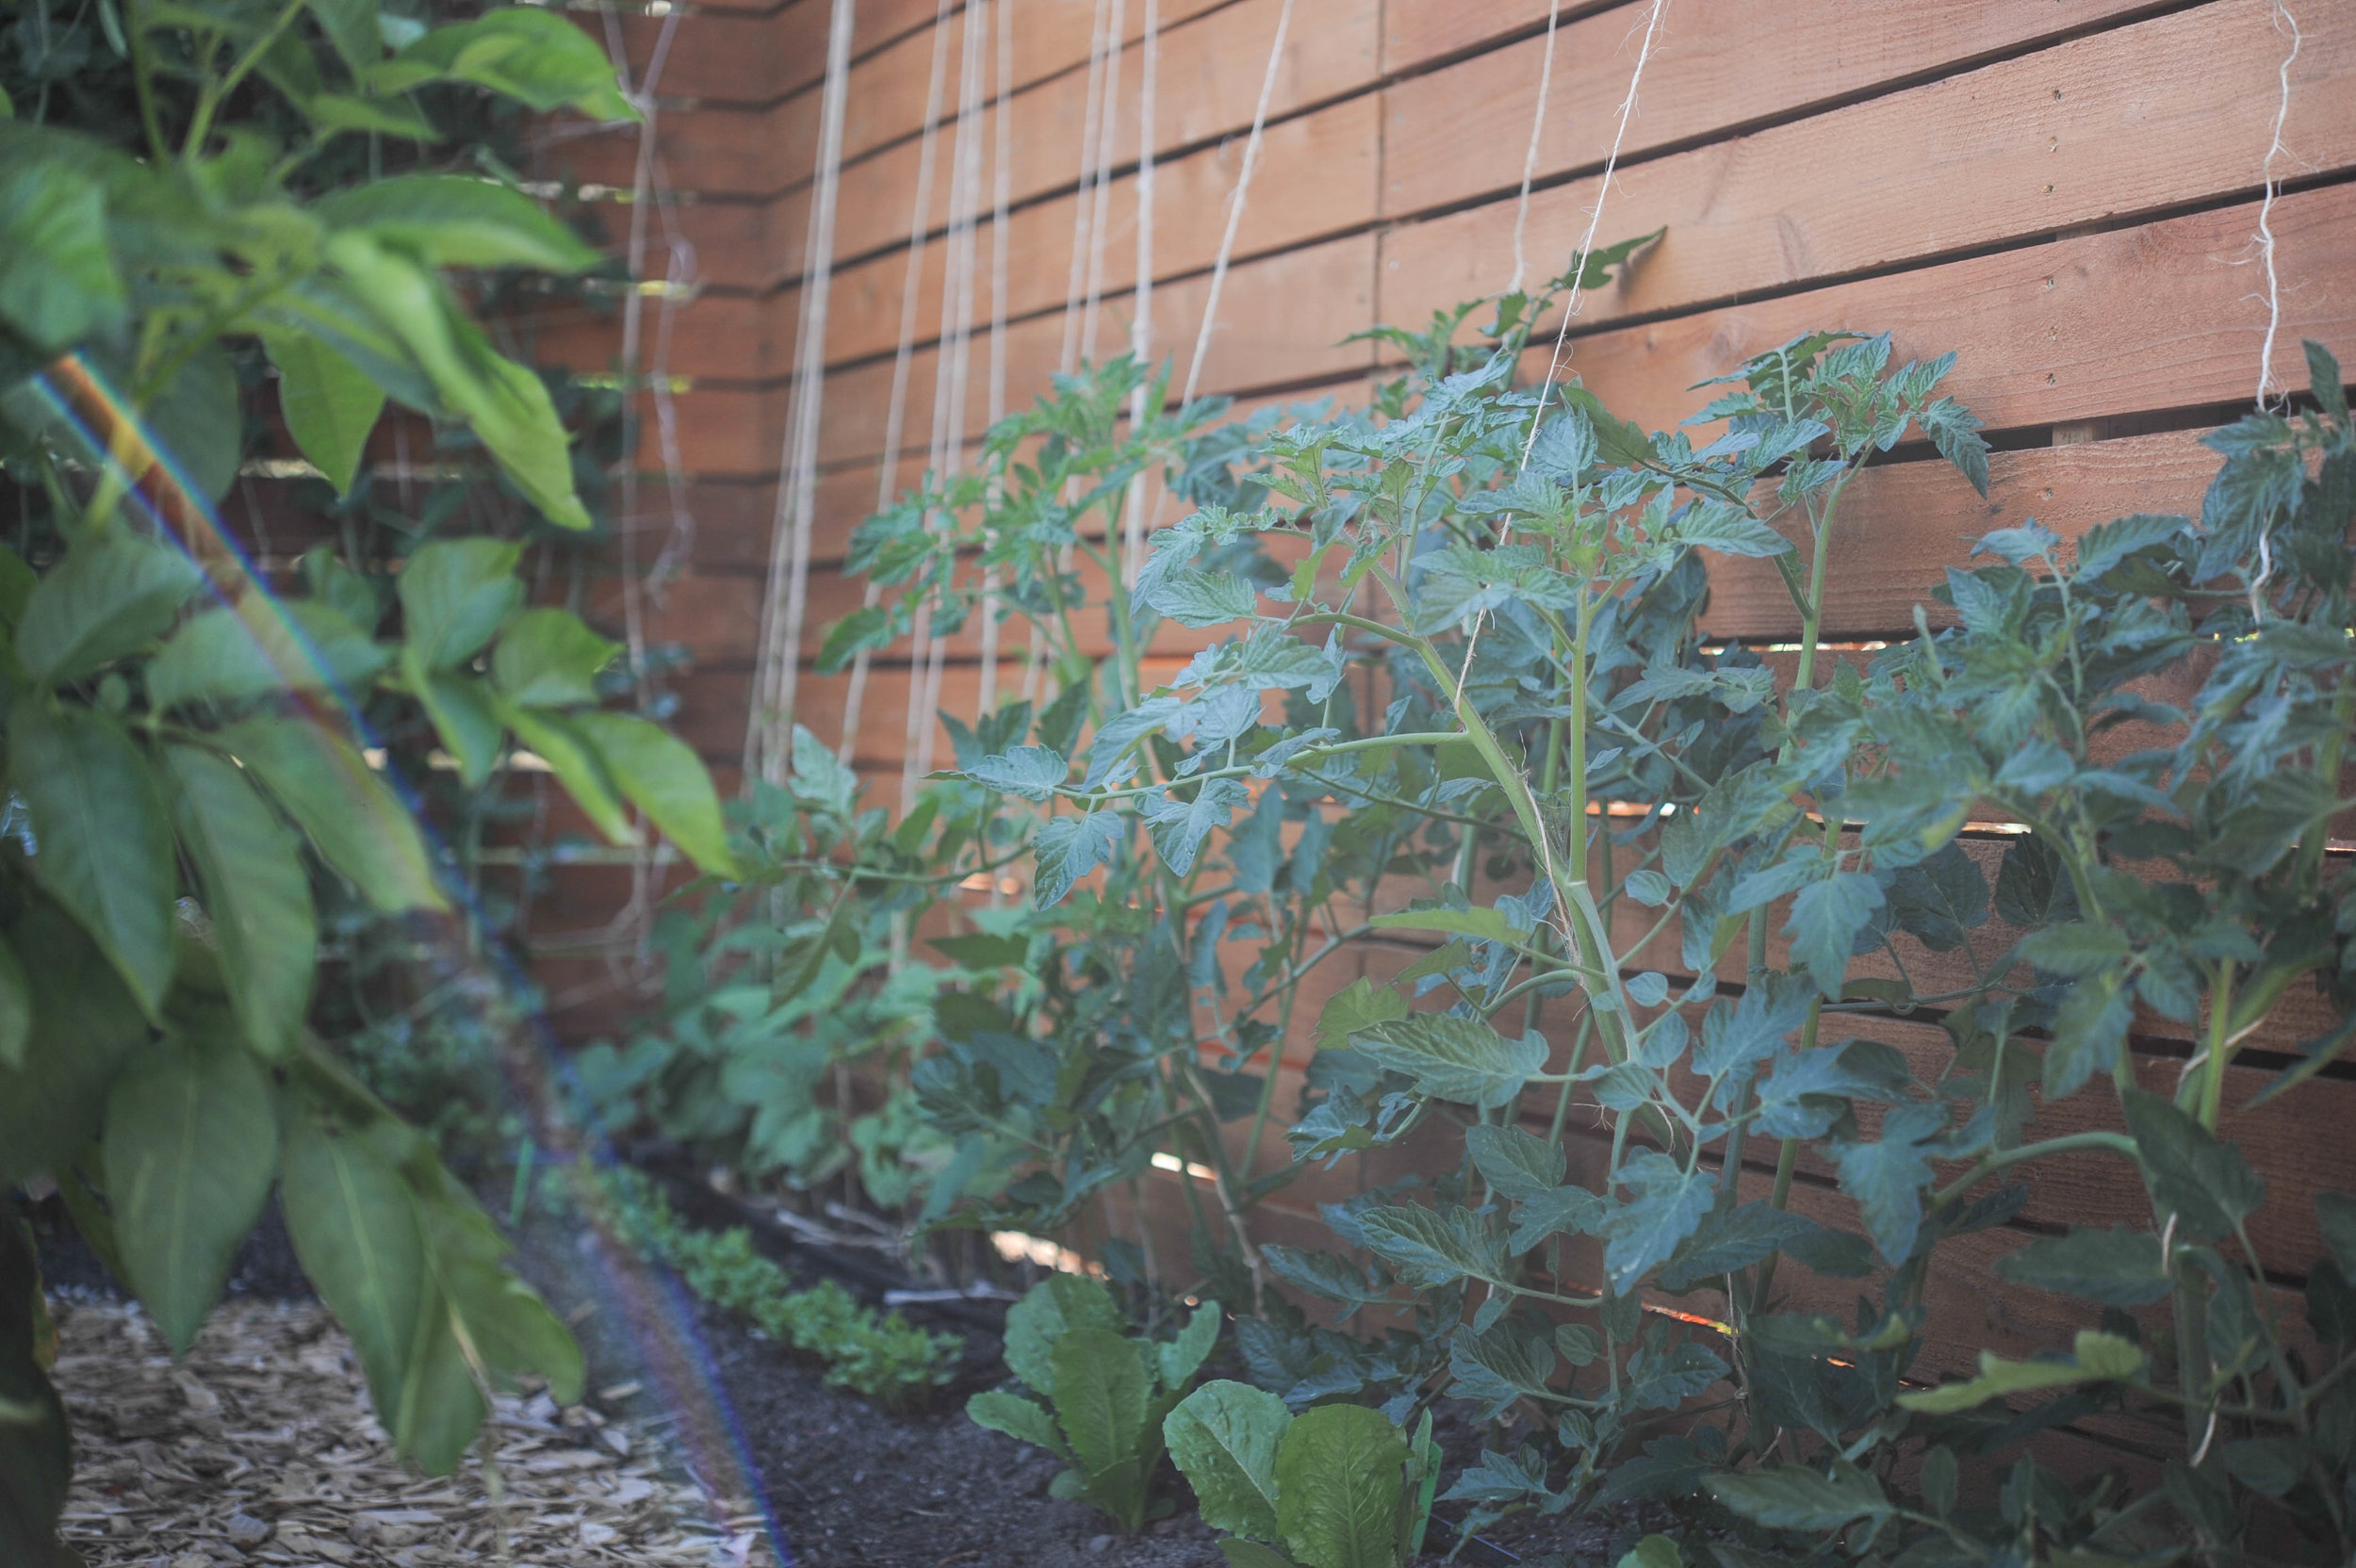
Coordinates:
[1106,1395]
[1339,1486]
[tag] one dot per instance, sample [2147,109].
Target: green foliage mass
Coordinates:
[1469,652]
[876,1354]
[1106,1395]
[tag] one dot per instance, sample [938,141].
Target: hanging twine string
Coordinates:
[2283,21]
[1530,158]
[768,746]
[1236,200]
[1100,222]
[953,367]
[1084,199]
[1576,296]
[1000,195]
[895,412]
[1141,318]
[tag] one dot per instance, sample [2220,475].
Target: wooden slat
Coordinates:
[1457,132]
[1416,32]
[2134,120]
[2077,329]
[771,149]
[1281,318]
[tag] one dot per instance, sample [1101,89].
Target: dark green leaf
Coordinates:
[1223,1438]
[1339,1486]
[191,1145]
[357,825]
[664,778]
[1051,1309]
[103,839]
[59,285]
[2117,1267]
[2205,1182]
[1515,1164]
[1067,848]
[1454,1058]
[329,403]
[1796,1498]
[549,659]
[355,1229]
[1033,773]
[250,870]
[455,221]
[259,646]
[114,594]
[535,56]
[454,594]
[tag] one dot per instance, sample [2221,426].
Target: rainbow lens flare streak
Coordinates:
[90,414]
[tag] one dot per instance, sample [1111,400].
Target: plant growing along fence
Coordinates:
[2163,709]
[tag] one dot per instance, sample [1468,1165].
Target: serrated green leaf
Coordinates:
[258,647]
[1198,598]
[1794,1497]
[1067,848]
[1441,1247]
[2190,1171]
[1049,1309]
[2117,1267]
[1357,1006]
[1032,773]
[1515,1164]
[1453,1058]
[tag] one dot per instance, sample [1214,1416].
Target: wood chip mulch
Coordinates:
[259,1449]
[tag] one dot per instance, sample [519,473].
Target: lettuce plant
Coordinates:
[1105,1394]
[1337,1486]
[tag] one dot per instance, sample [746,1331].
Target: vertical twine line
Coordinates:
[2283,19]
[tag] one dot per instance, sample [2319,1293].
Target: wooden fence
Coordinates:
[2064,192]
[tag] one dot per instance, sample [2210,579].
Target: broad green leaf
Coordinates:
[1356,1008]
[662,775]
[1515,1164]
[1200,598]
[494,1313]
[1048,1310]
[16,1009]
[1181,1357]
[534,56]
[1794,1497]
[1653,1551]
[86,1023]
[1067,848]
[1454,1058]
[2099,1358]
[1178,826]
[330,404]
[103,840]
[1498,1368]
[114,594]
[2204,1179]
[191,1145]
[441,1405]
[355,822]
[459,221]
[354,1228]
[1338,1487]
[1551,1213]
[461,711]
[250,869]
[1018,1417]
[1731,1240]
[1101,1397]
[549,659]
[1886,1177]
[352,26]
[1223,1438]
[552,738]
[194,421]
[1033,773]
[507,406]
[454,594]
[58,284]
[2118,1267]
[258,647]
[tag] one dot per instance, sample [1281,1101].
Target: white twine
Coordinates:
[2283,19]
[768,748]
[1141,317]
[1002,180]
[1083,203]
[1574,299]
[1530,158]
[951,368]
[1236,200]
[1108,131]
[895,408]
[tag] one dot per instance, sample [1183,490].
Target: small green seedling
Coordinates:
[1339,1486]
[1106,1395]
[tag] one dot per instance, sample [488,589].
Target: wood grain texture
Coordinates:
[2131,120]
[1457,132]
